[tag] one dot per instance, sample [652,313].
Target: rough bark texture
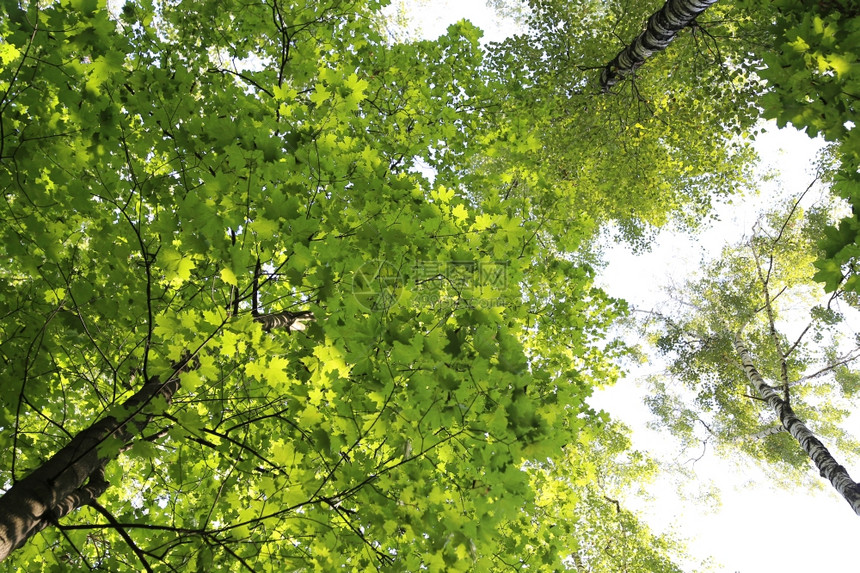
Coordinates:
[662,27]
[824,461]
[768,432]
[286,319]
[74,476]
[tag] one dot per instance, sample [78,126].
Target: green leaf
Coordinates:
[175,265]
[319,95]
[229,277]
[264,228]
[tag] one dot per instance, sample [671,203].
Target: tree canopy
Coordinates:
[281,293]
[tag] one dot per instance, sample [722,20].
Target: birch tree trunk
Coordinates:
[824,461]
[662,27]
[74,476]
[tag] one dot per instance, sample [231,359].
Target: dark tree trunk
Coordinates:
[74,476]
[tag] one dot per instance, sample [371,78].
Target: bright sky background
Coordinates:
[804,531]
[756,529]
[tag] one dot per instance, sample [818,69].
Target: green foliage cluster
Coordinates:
[634,156]
[814,74]
[171,170]
[814,69]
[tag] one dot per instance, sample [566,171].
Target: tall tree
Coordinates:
[75,476]
[825,462]
[670,134]
[741,327]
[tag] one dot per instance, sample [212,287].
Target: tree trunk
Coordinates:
[74,476]
[824,461]
[662,27]
[56,488]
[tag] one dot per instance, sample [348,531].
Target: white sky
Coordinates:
[757,529]
[431,18]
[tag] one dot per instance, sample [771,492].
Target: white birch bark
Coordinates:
[663,26]
[821,457]
[767,432]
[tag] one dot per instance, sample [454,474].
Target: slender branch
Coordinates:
[768,306]
[223,71]
[845,359]
[808,326]
[255,309]
[123,533]
[792,211]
